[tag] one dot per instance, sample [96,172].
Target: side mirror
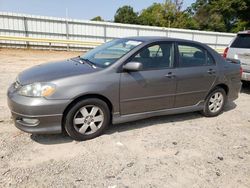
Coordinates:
[132,66]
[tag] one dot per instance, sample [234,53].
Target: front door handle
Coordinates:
[211,71]
[170,75]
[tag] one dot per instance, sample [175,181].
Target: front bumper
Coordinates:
[36,115]
[245,76]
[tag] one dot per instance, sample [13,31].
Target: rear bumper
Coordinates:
[245,76]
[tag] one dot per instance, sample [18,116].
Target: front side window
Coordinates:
[193,55]
[108,53]
[156,56]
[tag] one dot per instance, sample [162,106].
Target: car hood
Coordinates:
[52,71]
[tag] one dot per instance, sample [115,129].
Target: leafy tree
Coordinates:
[221,15]
[213,15]
[97,18]
[153,16]
[126,14]
[168,14]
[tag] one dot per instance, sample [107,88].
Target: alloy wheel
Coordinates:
[88,119]
[216,102]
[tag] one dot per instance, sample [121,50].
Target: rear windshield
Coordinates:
[241,41]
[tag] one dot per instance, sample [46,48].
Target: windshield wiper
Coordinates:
[90,63]
[82,61]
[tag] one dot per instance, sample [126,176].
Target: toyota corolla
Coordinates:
[120,81]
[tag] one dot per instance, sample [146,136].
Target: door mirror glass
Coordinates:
[132,66]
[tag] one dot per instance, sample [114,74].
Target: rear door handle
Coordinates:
[170,75]
[211,71]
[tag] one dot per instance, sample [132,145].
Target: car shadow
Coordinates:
[51,139]
[154,121]
[245,87]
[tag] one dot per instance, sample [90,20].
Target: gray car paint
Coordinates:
[132,95]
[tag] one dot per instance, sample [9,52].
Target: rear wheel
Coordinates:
[215,102]
[87,119]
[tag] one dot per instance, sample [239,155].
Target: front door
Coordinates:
[152,88]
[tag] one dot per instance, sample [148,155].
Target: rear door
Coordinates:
[240,49]
[152,88]
[195,75]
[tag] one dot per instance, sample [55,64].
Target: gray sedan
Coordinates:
[120,81]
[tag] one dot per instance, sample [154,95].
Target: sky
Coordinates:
[77,9]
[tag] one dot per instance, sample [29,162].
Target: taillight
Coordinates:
[225,52]
[241,71]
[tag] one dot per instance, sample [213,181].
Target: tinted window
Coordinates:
[156,56]
[241,41]
[192,55]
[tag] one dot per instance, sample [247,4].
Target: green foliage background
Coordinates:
[209,15]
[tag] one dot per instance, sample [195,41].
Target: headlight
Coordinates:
[37,90]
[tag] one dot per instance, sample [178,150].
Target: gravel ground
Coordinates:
[185,150]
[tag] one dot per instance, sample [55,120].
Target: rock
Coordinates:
[109,177]
[174,143]
[79,180]
[130,164]
[112,186]
[220,158]
[218,174]
[177,153]
[119,144]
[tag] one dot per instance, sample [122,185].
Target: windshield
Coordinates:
[108,53]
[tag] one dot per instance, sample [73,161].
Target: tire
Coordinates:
[84,119]
[215,102]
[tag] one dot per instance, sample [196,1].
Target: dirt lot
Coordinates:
[185,150]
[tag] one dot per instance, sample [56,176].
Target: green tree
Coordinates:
[168,14]
[221,15]
[213,15]
[153,16]
[97,18]
[126,15]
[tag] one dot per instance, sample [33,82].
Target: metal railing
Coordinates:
[21,30]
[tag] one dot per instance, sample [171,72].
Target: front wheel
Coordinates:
[87,119]
[214,103]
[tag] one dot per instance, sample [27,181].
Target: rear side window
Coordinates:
[241,41]
[192,55]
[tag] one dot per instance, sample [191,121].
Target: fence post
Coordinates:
[67,32]
[105,32]
[216,41]
[26,30]
[192,36]
[138,32]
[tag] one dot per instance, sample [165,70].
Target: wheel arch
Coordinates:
[87,96]
[223,86]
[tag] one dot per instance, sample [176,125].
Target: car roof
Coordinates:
[159,38]
[244,32]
